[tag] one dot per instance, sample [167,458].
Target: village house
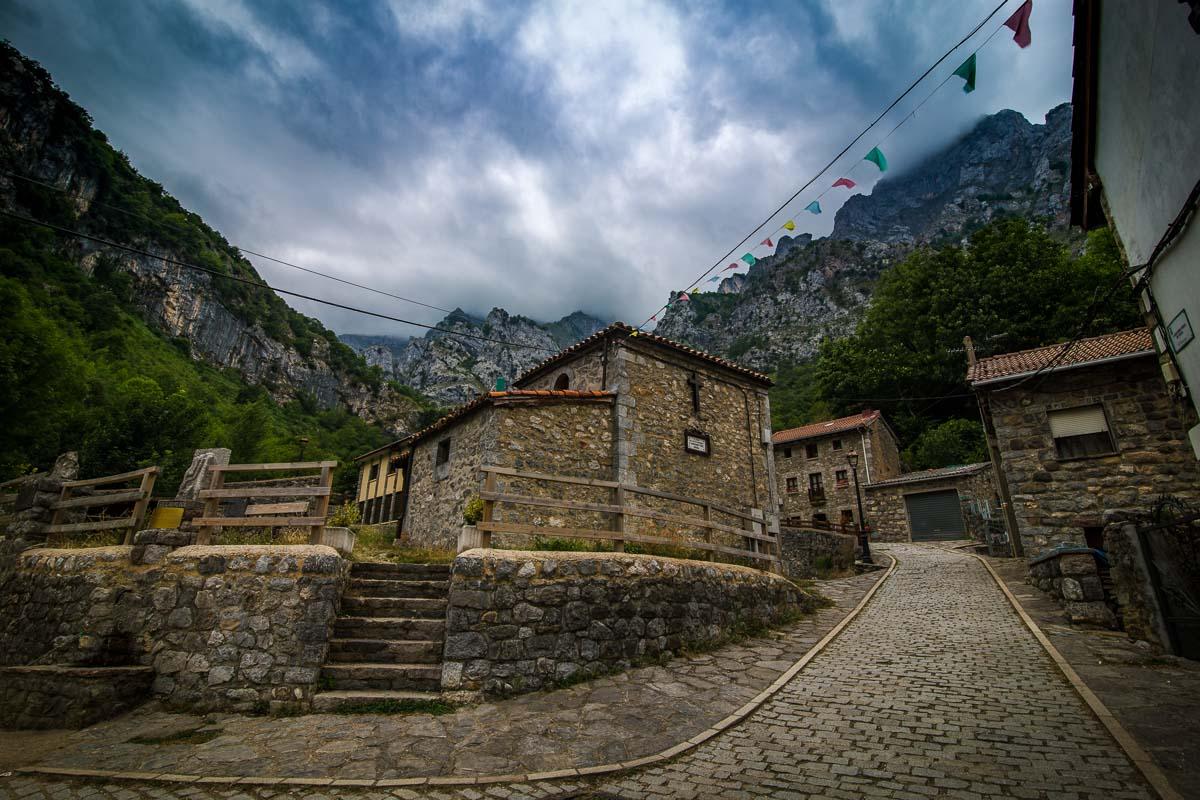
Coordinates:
[380,496]
[1134,157]
[815,484]
[618,411]
[1082,433]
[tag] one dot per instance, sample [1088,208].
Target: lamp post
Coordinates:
[864,542]
[303,440]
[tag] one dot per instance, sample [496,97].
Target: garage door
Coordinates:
[934,515]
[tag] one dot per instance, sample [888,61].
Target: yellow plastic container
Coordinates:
[166,517]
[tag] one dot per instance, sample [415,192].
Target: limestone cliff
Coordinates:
[453,369]
[47,137]
[809,289]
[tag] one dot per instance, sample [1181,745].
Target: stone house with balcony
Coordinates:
[621,406]
[1077,433]
[814,481]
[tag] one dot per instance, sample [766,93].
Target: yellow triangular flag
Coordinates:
[789,225]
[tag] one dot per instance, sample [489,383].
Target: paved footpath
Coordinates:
[935,690]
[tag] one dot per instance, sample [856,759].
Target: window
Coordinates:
[694,383]
[563,383]
[441,468]
[792,485]
[374,472]
[1081,432]
[841,477]
[814,481]
[810,451]
[837,444]
[820,520]
[787,452]
[847,517]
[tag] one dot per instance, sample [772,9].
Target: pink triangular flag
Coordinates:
[731,266]
[1019,22]
[849,184]
[654,318]
[767,242]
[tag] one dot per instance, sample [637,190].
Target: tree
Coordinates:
[955,441]
[251,426]
[1012,287]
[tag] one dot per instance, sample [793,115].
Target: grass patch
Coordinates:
[633,548]
[376,543]
[73,541]
[434,707]
[190,736]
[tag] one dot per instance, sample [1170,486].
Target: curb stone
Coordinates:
[1134,751]
[472,780]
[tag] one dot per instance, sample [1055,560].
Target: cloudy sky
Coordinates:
[542,157]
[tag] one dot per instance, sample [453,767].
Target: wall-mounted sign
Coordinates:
[697,442]
[1180,331]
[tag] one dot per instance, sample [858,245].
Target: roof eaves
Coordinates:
[1063,367]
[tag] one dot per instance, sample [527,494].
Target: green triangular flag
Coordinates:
[876,157]
[966,71]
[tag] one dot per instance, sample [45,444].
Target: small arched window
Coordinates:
[563,382]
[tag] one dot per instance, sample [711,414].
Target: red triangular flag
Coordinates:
[654,318]
[767,242]
[1019,22]
[849,184]
[731,266]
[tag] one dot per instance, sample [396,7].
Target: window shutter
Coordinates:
[1077,422]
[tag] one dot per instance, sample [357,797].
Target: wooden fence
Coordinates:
[821,525]
[104,492]
[761,547]
[8,499]
[293,514]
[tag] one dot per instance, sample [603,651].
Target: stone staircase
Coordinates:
[387,640]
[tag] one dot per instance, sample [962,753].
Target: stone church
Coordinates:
[619,406]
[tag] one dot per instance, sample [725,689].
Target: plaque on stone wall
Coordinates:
[697,442]
[1180,331]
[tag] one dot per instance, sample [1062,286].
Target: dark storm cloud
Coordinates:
[541,157]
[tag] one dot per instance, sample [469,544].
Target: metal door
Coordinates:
[934,516]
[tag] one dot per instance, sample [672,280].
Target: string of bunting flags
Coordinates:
[1018,23]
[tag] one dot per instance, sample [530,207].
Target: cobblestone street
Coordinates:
[935,690]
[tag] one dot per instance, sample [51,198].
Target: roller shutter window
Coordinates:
[1081,432]
[935,515]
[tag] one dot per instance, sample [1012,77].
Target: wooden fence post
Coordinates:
[710,554]
[489,485]
[322,508]
[139,508]
[619,519]
[211,506]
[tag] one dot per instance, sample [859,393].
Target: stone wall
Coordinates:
[1072,577]
[435,505]
[1136,600]
[520,621]
[230,627]
[654,410]
[808,553]
[585,372]
[54,697]
[1055,499]
[887,512]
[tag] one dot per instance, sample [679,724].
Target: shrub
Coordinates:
[345,515]
[473,511]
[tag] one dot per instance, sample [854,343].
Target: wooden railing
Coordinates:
[293,514]
[104,492]
[821,525]
[757,546]
[8,499]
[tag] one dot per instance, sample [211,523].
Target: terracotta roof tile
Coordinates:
[931,474]
[852,422]
[1084,351]
[619,329]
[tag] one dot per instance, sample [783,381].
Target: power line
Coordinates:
[261,284]
[136,215]
[843,152]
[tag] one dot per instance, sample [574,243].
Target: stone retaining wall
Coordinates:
[804,553]
[226,627]
[1073,578]
[520,621]
[69,697]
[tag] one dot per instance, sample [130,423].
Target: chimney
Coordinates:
[969,347]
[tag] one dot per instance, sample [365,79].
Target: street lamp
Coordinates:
[863,539]
[303,440]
